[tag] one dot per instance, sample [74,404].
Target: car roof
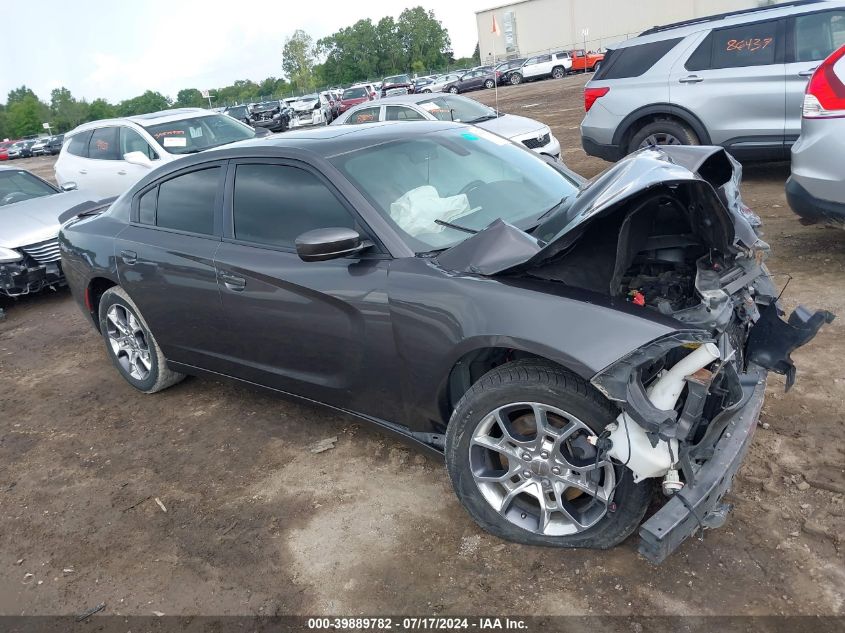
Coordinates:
[687,27]
[333,140]
[146,120]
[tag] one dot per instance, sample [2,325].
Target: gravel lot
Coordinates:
[257,524]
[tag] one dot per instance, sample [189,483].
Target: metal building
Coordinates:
[542,26]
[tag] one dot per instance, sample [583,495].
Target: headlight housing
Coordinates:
[8,256]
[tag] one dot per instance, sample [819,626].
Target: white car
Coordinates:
[440,82]
[448,107]
[109,156]
[313,109]
[555,65]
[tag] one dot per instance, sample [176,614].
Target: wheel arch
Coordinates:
[471,364]
[94,291]
[655,112]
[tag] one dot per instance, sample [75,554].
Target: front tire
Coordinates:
[453,90]
[516,79]
[130,344]
[520,462]
[662,132]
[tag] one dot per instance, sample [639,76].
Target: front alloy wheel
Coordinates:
[516,79]
[453,90]
[521,455]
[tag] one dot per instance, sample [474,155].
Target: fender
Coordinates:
[662,108]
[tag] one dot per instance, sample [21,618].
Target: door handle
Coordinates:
[129,257]
[83,171]
[122,172]
[807,73]
[232,282]
[691,79]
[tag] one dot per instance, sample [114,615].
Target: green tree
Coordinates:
[65,111]
[4,125]
[19,94]
[101,109]
[423,37]
[190,98]
[299,55]
[24,116]
[148,102]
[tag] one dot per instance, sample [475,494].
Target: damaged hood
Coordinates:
[717,213]
[37,219]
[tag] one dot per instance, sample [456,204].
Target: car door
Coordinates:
[104,163]
[811,37]
[732,81]
[71,167]
[165,260]
[321,330]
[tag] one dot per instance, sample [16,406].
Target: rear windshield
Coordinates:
[633,61]
[189,136]
[355,93]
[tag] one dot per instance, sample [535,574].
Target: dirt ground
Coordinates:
[257,524]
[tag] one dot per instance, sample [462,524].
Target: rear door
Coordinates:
[72,164]
[810,39]
[165,260]
[733,82]
[321,330]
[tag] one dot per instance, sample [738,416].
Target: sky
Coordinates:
[117,49]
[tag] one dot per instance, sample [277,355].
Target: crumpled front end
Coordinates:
[39,267]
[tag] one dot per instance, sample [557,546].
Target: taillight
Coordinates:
[825,96]
[591,94]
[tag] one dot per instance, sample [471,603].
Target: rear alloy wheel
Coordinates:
[131,345]
[489,84]
[453,90]
[662,132]
[516,79]
[558,72]
[521,460]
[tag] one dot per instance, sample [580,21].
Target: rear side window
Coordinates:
[367,115]
[147,207]
[737,47]
[78,143]
[633,61]
[103,144]
[274,204]
[186,203]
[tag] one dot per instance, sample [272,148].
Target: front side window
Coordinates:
[459,109]
[467,177]
[817,35]
[131,141]
[186,202]
[367,115]
[274,204]
[188,136]
[401,113]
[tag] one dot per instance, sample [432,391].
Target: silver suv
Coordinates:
[735,80]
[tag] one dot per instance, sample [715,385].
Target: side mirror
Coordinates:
[138,158]
[320,245]
[69,186]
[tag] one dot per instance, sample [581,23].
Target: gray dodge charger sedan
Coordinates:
[572,348]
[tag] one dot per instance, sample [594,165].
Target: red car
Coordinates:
[353,96]
[584,61]
[4,149]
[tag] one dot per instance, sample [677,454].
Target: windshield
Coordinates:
[355,93]
[188,136]
[308,98]
[398,79]
[16,186]
[466,177]
[457,109]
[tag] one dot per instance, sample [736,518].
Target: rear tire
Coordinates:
[662,132]
[130,344]
[489,84]
[546,489]
[558,72]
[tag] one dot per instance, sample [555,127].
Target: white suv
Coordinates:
[555,65]
[109,156]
